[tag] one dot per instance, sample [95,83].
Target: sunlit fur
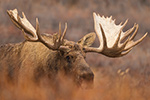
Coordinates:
[33,60]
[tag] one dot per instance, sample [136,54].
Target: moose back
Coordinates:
[44,55]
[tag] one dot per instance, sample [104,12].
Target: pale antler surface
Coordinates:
[111,35]
[26,27]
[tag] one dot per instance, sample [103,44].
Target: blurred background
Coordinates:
[125,78]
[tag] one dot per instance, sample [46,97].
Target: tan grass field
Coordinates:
[125,78]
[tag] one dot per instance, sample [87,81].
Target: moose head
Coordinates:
[70,55]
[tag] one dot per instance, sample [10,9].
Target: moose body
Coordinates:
[27,58]
[46,55]
[33,60]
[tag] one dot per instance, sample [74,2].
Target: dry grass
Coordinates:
[127,84]
[126,78]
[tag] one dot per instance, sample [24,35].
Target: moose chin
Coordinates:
[45,55]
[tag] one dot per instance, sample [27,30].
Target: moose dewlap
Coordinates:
[44,55]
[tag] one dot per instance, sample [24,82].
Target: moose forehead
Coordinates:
[74,49]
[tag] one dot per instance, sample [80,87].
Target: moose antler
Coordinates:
[26,27]
[111,36]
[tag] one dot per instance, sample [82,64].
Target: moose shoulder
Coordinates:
[45,55]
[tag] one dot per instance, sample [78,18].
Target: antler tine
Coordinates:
[59,35]
[23,15]
[26,27]
[125,23]
[123,45]
[57,41]
[21,23]
[36,36]
[132,44]
[38,30]
[128,32]
[64,33]
[40,39]
[125,52]
[12,18]
[104,45]
[111,41]
[135,32]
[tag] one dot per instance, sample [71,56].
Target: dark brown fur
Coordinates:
[33,60]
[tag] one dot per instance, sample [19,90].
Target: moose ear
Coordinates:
[87,40]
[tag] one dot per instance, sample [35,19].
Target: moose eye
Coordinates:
[68,58]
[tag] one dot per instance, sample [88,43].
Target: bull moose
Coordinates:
[44,55]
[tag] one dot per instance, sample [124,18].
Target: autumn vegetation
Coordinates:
[125,78]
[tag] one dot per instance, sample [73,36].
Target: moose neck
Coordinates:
[39,59]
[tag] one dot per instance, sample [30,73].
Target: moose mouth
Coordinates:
[85,82]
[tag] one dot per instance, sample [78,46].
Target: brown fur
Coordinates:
[33,60]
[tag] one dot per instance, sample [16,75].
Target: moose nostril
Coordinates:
[87,76]
[91,75]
